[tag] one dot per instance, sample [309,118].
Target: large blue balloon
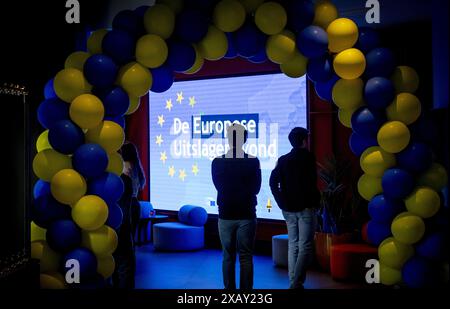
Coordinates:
[45,209]
[86,260]
[325,89]
[49,92]
[63,235]
[313,42]
[359,143]
[320,69]
[90,160]
[367,122]
[232,51]
[433,246]
[115,100]
[120,120]
[41,188]
[100,70]
[260,57]
[65,136]
[249,40]
[416,158]
[162,78]
[300,14]
[115,216]
[181,56]
[108,186]
[379,92]
[380,62]
[130,22]
[368,39]
[51,111]
[418,272]
[384,210]
[397,183]
[377,232]
[191,26]
[120,46]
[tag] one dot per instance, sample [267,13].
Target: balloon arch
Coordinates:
[75,212]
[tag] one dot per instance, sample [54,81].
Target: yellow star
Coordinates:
[163,157]
[161,120]
[169,104]
[192,101]
[159,140]
[182,174]
[180,97]
[171,171]
[195,169]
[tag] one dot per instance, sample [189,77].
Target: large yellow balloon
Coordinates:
[393,253]
[160,20]
[69,84]
[105,266]
[135,102]
[49,260]
[115,163]
[42,142]
[405,108]
[94,43]
[271,18]
[345,116]
[424,202]
[108,134]
[393,136]
[342,34]
[76,60]
[175,5]
[251,5]
[435,177]
[214,45]
[87,111]
[408,228]
[68,186]
[102,242]
[229,15]
[405,79]
[52,281]
[37,232]
[151,51]
[325,13]
[369,186]
[280,48]
[389,275]
[348,93]
[296,66]
[135,79]
[48,162]
[198,64]
[349,63]
[375,161]
[36,248]
[90,212]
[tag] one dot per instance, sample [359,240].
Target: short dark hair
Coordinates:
[238,128]
[297,136]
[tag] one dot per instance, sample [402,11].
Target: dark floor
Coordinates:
[202,270]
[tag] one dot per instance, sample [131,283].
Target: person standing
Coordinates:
[237,178]
[293,183]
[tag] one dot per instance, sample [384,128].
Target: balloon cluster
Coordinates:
[75,210]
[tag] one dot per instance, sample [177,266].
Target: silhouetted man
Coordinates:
[237,178]
[294,185]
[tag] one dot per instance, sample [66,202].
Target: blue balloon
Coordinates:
[260,57]
[41,188]
[90,160]
[162,78]
[384,210]
[359,143]
[320,69]
[51,111]
[379,92]
[191,26]
[115,217]
[63,236]
[45,209]
[377,232]
[425,130]
[313,42]
[325,89]
[115,100]
[366,122]
[93,283]
[368,39]
[129,21]
[416,158]
[232,51]
[141,10]
[249,40]
[433,246]
[380,62]
[100,70]
[49,92]
[300,14]
[65,136]
[108,186]
[120,46]
[397,183]
[181,56]
[120,120]
[418,272]
[87,261]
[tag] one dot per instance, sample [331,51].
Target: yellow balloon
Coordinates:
[48,162]
[405,79]
[151,51]
[42,142]
[214,45]
[134,105]
[175,5]
[160,20]
[389,276]
[198,64]
[325,13]
[349,63]
[37,232]
[69,84]
[393,136]
[49,260]
[435,177]
[90,212]
[102,242]
[408,228]
[105,266]
[135,79]
[342,34]
[229,15]
[108,134]
[115,163]
[87,111]
[405,108]
[76,60]
[36,248]
[94,42]
[251,5]
[280,47]
[348,93]
[375,161]
[68,186]
[52,281]
[295,67]
[270,18]
[424,202]
[393,253]
[345,116]
[369,186]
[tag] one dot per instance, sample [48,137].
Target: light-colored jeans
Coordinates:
[301,227]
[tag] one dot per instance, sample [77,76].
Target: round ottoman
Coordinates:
[175,236]
[280,250]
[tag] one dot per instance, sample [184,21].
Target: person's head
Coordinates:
[129,153]
[298,137]
[237,136]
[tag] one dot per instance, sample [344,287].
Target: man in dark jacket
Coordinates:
[237,178]
[294,185]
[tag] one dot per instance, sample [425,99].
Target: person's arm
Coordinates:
[217,174]
[312,173]
[257,178]
[274,183]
